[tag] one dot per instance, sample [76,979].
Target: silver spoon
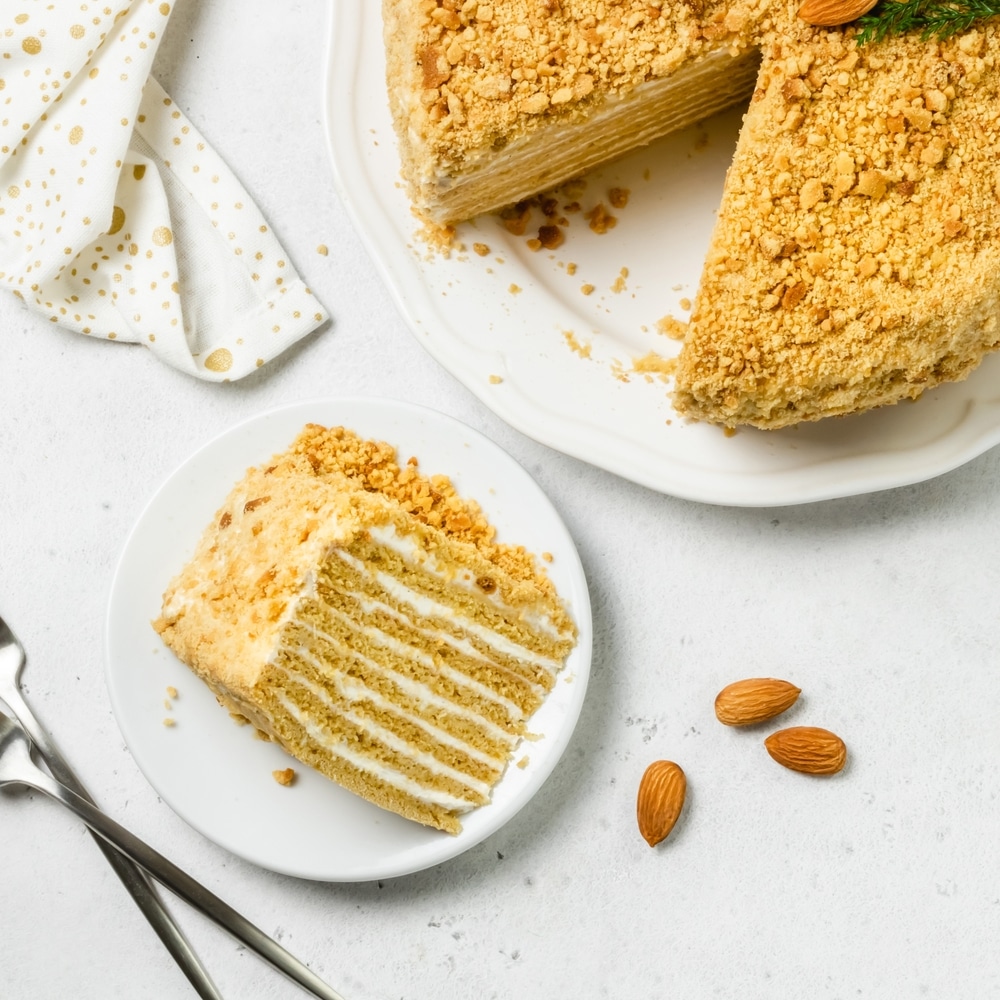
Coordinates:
[12,660]
[18,768]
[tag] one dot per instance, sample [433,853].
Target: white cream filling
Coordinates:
[412,552]
[355,690]
[338,748]
[427,607]
[462,645]
[413,689]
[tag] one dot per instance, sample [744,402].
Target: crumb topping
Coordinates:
[431,499]
[865,194]
[483,70]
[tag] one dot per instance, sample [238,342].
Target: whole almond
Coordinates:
[660,800]
[755,699]
[828,13]
[808,749]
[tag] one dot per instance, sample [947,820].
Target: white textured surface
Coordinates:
[883,882]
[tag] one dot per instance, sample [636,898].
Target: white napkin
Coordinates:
[116,218]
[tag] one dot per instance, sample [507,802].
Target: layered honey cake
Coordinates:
[856,257]
[365,617]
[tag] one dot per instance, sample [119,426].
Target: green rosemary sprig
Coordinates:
[932,18]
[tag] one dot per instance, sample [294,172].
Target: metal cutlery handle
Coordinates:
[132,877]
[178,881]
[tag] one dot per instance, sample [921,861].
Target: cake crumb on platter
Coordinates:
[618,197]
[654,364]
[600,220]
[575,345]
[341,510]
[671,327]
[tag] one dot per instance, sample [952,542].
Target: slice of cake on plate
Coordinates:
[856,257]
[364,617]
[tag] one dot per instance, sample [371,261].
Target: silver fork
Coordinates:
[18,768]
[12,660]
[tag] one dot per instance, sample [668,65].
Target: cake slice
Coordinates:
[365,618]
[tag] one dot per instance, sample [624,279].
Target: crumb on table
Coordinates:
[284,776]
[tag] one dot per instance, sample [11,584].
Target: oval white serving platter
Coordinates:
[515,327]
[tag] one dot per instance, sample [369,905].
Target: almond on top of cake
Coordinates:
[856,258]
[363,616]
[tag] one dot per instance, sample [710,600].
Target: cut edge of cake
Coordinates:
[619,124]
[470,97]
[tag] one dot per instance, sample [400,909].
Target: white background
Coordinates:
[882,882]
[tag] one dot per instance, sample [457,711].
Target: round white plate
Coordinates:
[215,774]
[567,360]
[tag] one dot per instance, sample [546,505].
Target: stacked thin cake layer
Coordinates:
[494,102]
[376,631]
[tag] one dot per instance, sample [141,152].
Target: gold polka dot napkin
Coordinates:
[117,219]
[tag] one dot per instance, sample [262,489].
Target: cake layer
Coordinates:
[494,102]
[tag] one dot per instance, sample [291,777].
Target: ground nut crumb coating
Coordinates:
[856,259]
[489,71]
